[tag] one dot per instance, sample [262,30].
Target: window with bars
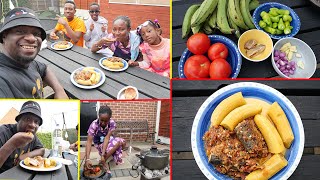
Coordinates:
[143,2]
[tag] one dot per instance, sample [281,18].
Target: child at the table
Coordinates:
[154,48]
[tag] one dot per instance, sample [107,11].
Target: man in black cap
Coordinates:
[18,141]
[20,75]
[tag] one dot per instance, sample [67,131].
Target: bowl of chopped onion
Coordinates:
[293,58]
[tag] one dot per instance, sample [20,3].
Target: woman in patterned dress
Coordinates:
[101,133]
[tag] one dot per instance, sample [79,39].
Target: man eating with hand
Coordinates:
[18,141]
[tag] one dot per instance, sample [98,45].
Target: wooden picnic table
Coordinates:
[63,63]
[65,172]
[188,96]
[309,32]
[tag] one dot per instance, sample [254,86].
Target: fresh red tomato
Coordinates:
[220,68]
[217,50]
[198,43]
[97,169]
[197,66]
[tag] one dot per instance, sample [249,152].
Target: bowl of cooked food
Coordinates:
[255,45]
[248,131]
[128,93]
[87,77]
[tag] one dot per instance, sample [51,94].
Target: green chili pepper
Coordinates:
[287,18]
[287,23]
[275,19]
[275,25]
[262,24]
[283,11]
[281,25]
[278,32]
[266,19]
[287,30]
[263,13]
[273,12]
[270,30]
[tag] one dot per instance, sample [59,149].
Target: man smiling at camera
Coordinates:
[18,141]
[20,75]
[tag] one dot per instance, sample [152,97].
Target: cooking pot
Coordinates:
[154,159]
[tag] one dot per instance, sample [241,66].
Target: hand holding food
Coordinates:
[113,63]
[87,76]
[21,139]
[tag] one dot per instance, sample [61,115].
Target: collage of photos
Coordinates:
[245,89]
[159,89]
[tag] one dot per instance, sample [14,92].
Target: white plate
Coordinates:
[263,92]
[121,93]
[126,65]
[57,49]
[58,166]
[103,78]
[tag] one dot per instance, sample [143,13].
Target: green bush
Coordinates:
[45,139]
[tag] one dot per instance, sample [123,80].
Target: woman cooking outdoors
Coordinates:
[100,132]
[123,42]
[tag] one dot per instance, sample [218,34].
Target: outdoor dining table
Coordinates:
[309,33]
[63,63]
[65,172]
[188,96]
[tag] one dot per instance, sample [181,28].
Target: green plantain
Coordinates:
[234,26]
[186,25]
[206,8]
[235,13]
[244,8]
[222,20]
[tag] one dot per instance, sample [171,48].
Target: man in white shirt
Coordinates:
[97,27]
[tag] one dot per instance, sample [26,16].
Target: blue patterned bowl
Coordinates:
[234,57]
[268,94]
[295,23]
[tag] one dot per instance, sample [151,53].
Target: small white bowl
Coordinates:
[308,58]
[121,94]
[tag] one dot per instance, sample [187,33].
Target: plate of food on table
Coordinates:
[61,45]
[114,64]
[247,131]
[39,163]
[87,77]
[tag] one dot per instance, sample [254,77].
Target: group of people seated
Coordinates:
[143,46]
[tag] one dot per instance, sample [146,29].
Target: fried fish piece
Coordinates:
[258,49]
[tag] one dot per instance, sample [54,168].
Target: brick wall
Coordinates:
[142,110]
[164,126]
[137,13]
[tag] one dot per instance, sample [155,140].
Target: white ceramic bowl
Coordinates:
[263,92]
[121,93]
[308,58]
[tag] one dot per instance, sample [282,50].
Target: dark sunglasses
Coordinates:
[94,11]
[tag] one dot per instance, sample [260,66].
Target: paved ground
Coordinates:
[123,171]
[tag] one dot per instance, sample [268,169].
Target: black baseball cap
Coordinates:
[21,16]
[30,107]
